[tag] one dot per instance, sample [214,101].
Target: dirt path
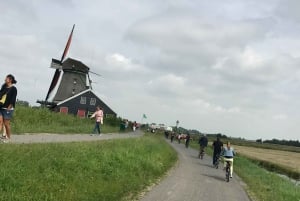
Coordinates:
[51,138]
[195,180]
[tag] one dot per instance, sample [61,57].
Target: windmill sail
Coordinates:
[57,65]
[67,45]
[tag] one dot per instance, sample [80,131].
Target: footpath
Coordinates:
[196,180]
[56,138]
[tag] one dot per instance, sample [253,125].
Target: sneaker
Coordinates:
[230,176]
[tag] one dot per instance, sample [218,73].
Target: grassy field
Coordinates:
[37,120]
[106,170]
[262,185]
[264,145]
[281,161]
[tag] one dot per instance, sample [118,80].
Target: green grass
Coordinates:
[39,120]
[278,168]
[263,185]
[106,170]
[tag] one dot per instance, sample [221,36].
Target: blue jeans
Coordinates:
[97,128]
[6,114]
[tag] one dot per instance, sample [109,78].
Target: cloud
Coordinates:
[215,66]
[118,61]
[280,117]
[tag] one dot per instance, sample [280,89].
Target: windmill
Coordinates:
[70,90]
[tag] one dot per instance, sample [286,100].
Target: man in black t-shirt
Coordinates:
[217,146]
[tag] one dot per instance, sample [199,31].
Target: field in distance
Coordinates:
[286,159]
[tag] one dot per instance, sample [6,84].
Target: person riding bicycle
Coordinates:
[203,143]
[228,154]
[217,146]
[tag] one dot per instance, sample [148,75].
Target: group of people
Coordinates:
[8,97]
[179,137]
[227,152]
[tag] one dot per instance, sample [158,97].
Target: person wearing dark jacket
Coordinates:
[8,97]
[203,142]
[218,147]
[187,140]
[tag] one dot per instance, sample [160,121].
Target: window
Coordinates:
[64,110]
[81,113]
[93,101]
[82,100]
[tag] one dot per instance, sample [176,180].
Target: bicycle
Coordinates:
[227,170]
[201,153]
[217,161]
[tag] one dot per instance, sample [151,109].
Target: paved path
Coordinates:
[50,138]
[195,180]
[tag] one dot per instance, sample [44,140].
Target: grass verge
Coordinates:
[41,120]
[105,170]
[263,185]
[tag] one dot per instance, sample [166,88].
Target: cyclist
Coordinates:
[203,143]
[217,146]
[228,153]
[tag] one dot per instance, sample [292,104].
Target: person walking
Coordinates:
[172,136]
[217,146]
[187,140]
[203,142]
[134,126]
[98,115]
[228,153]
[179,138]
[8,97]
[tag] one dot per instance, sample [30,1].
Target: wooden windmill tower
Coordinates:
[70,90]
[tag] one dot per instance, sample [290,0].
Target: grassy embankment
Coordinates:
[262,184]
[105,170]
[38,120]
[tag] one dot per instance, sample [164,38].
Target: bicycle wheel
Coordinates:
[227,173]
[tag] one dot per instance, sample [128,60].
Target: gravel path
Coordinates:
[195,180]
[55,138]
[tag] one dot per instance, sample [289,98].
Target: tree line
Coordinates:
[295,143]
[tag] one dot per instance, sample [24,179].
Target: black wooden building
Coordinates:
[83,105]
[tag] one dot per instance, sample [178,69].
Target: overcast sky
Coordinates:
[217,66]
